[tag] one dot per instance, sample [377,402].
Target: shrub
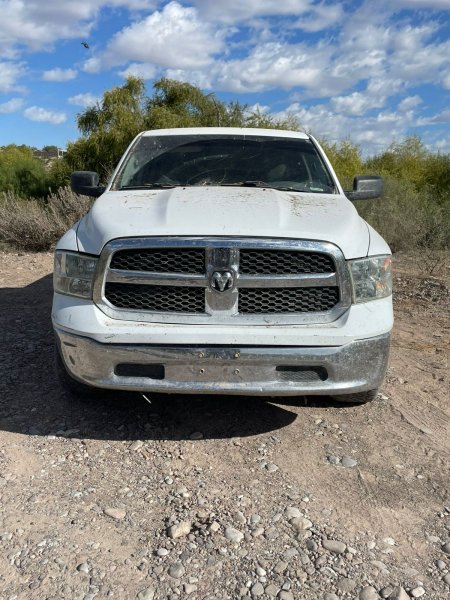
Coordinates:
[408,219]
[34,225]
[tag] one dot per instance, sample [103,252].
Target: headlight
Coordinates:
[371,278]
[74,274]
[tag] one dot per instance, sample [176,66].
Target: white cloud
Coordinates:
[373,133]
[37,24]
[235,11]
[84,100]
[371,47]
[314,15]
[58,74]
[321,16]
[439,118]
[409,102]
[11,106]
[421,62]
[430,4]
[357,103]
[174,37]
[10,73]
[259,108]
[442,145]
[143,70]
[285,66]
[202,79]
[36,113]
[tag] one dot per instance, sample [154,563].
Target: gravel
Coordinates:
[176,570]
[368,593]
[234,535]
[179,530]
[115,513]
[83,568]
[146,594]
[346,585]
[292,513]
[257,590]
[300,523]
[398,594]
[334,546]
[218,498]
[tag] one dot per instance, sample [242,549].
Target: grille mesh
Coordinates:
[161,260]
[156,298]
[262,262]
[280,262]
[286,373]
[287,300]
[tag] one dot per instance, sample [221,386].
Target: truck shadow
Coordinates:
[32,401]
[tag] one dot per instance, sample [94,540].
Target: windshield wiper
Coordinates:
[261,184]
[281,188]
[250,183]
[150,186]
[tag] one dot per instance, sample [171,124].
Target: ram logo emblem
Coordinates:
[221,281]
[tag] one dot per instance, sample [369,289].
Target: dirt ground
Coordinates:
[239,462]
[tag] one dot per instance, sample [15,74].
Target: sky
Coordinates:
[371,70]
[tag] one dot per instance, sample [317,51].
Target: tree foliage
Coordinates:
[21,173]
[415,209]
[108,128]
[347,161]
[411,161]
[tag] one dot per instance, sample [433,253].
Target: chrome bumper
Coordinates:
[265,371]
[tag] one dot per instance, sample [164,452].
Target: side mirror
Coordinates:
[86,183]
[366,187]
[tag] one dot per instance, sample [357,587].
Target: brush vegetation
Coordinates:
[36,206]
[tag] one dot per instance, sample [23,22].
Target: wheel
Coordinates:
[71,386]
[357,398]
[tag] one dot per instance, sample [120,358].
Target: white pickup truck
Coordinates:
[223,260]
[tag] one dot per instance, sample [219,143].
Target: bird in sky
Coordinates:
[85,44]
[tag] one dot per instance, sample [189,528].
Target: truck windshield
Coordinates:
[221,160]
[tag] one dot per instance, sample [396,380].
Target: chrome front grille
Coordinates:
[282,262]
[287,300]
[222,280]
[156,297]
[161,260]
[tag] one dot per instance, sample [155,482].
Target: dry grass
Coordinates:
[34,225]
[409,220]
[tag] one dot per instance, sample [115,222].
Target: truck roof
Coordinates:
[228,131]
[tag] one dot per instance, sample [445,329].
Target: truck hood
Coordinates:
[224,211]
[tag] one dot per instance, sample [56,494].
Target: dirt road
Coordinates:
[88,491]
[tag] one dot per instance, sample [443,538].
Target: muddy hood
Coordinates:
[224,211]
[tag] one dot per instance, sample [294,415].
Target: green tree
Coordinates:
[179,104]
[59,174]
[403,160]
[108,128]
[21,172]
[345,156]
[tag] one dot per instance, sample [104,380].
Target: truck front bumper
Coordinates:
[354,367]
